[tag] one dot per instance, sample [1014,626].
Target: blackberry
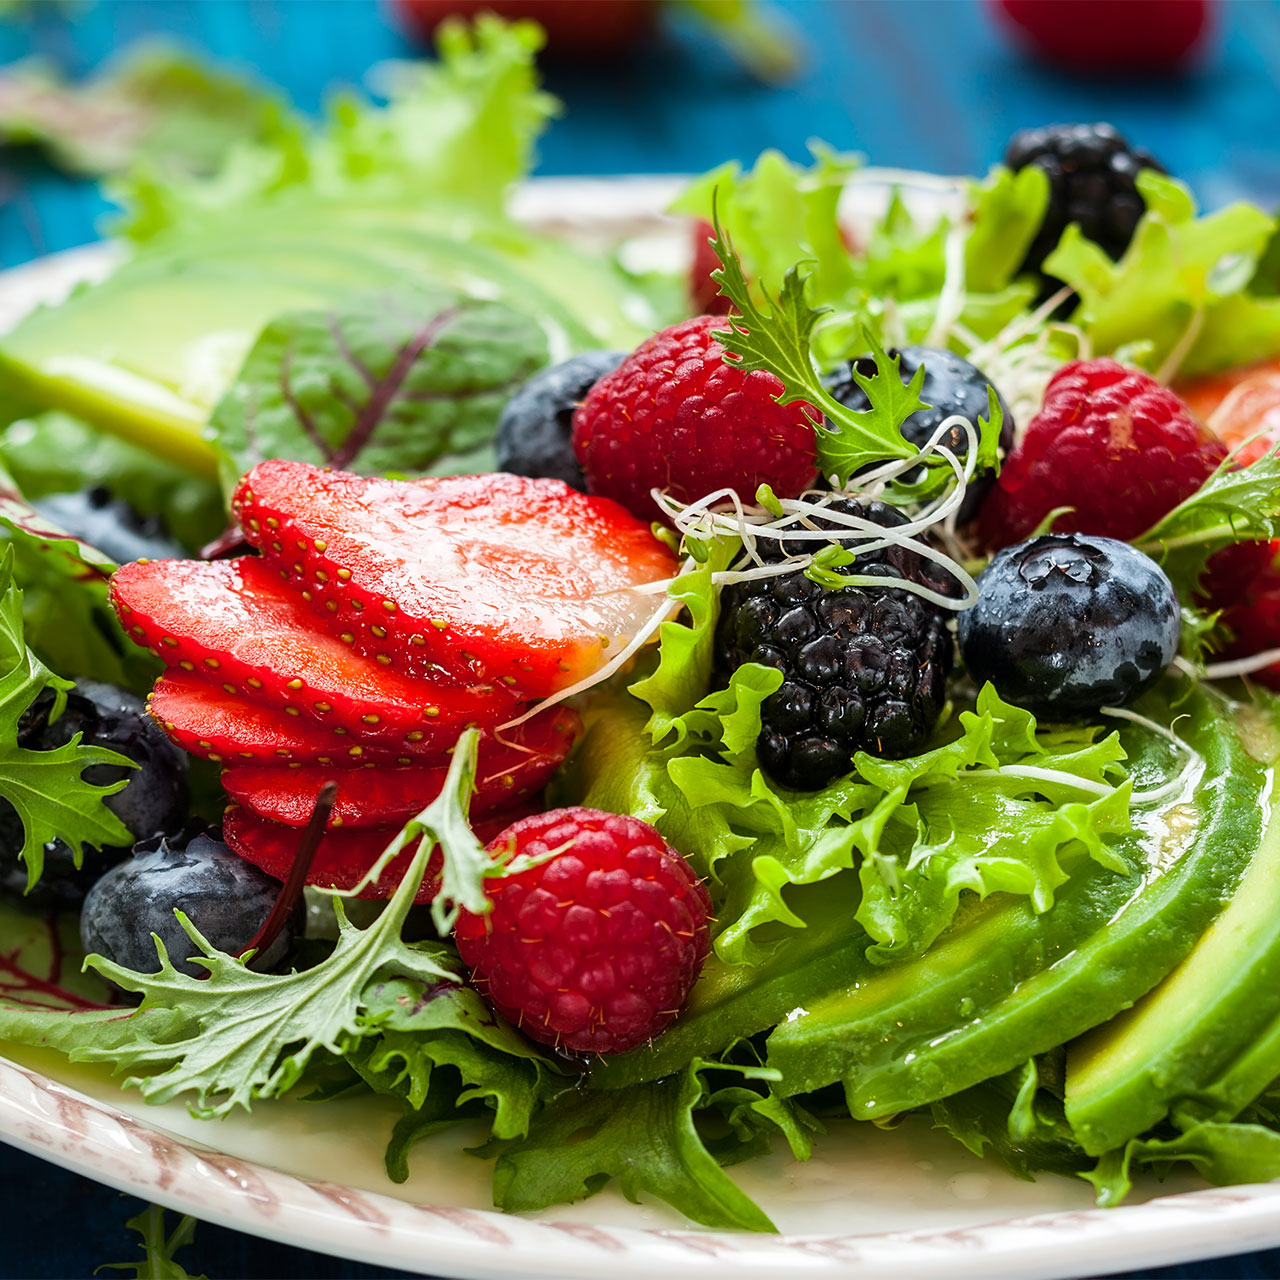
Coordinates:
[951,386]
[865,668]
[1092,175]
[535,429]
[1066,624]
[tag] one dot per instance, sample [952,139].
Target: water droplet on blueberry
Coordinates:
[1067,623]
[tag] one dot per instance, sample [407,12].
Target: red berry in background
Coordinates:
[1254,621]
[1108,35]
[675,415]
[595,948]
[704,293]
[574,28]
[1112,443]
[1239,405]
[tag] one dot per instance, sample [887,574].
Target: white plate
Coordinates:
[909,1203]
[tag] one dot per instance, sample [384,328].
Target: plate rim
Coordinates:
[42,1116]
[46,1118]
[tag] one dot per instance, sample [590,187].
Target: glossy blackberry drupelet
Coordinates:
[865,668]
[225,897]
[109,524]
[535,428]
[951,386]
[1067,623]
[154,801]
[1092,175]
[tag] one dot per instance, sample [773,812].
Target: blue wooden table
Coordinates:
[927,84]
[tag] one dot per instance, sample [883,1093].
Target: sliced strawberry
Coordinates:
[388,797]
[344,856]
[493,577]
[233,623]
[207,721]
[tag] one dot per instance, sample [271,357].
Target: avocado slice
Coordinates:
[1202,1044]
[1007,984]
[147,353]
[1002,983]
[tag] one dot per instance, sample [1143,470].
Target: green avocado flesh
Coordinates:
[1206,1041]
[1004,983]
[148,353]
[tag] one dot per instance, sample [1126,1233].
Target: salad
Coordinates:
[655,716]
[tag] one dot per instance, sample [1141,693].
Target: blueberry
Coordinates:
[112,526]
[535,428]
[1066,624]
[951,386]
[154,801]
[225,897]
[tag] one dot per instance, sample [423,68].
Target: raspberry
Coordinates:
[865,668]
[595,947]
[1110,442]
[676,415]
[1250,606]
[704,292]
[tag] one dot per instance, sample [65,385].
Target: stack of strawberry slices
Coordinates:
[379,620]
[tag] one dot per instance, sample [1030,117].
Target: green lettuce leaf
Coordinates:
[650,1139]
[1221,1152]
[1003,806]
[157,106]
[238,1035]
[41,961]
[1178,301]
[158,1245]
[387,381]
[899,287]
[463,127]
[445,1054]
[46,788]
[1235,504]
[778,213]
[1015,1119]
[56,453]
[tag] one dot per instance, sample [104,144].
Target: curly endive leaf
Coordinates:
[388,381]
[46,787]
[778,341]
[1235,504]
[237,1035]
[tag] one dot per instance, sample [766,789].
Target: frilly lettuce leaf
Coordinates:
[1235,504]
[649,1138]
[445,1054]
[1003,806]
[1015,1119]
[779,213]
[1178,300]
[462,129]
[892,285]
